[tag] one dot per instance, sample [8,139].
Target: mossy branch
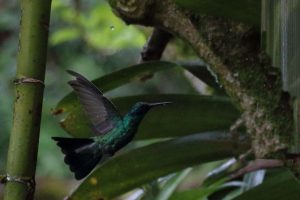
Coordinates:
[23,147]
[232,50]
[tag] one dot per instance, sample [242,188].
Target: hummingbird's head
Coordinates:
[141,108]
[138,111]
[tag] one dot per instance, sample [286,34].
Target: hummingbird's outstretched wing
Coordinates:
[100,111]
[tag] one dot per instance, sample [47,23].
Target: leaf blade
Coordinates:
[192,114]
[134,168]
[282,185]
[116,79]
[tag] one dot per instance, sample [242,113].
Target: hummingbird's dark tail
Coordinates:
[82,155]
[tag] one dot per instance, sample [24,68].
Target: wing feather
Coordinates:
[101,112]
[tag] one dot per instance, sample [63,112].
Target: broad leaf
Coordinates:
[139,166]
[136,72]
[169,187]
[283,185]
[116,79]
[186,115]
[200,111]
[202,72]
[194,194]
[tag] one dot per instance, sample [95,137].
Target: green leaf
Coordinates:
[139,166]
[116,79]
[193,194]
[136,72]
[204,192]
[282,185]
[203,73]
[195,113]
[247,11]
[171,184]
[186,115]
[224,171]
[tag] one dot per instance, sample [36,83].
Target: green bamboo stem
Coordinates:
[29,88]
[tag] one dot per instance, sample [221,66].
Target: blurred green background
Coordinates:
[87,37]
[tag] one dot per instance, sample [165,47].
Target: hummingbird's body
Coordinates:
[112,131]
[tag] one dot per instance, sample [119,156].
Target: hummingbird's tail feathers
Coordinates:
[69,145]
[82,163]
[82,155]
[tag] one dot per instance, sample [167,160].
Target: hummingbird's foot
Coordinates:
[29,182]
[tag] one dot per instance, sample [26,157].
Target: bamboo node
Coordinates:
[28,80]
[29,182]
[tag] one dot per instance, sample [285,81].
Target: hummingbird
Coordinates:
[111,130]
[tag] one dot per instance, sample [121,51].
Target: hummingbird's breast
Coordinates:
[117,138]
[122,134]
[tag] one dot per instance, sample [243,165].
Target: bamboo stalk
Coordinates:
[29,88]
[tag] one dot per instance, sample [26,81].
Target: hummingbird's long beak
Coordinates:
[159,103]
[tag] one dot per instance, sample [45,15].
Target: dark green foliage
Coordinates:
[247,11]
[281,185]
[139,166]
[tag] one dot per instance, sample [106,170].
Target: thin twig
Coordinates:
[234,130]
[257,165]
[155,45]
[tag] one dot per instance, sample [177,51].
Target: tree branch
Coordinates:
[232,50]
[257,165]
[156,45]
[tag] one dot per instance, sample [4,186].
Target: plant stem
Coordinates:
[29,88]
